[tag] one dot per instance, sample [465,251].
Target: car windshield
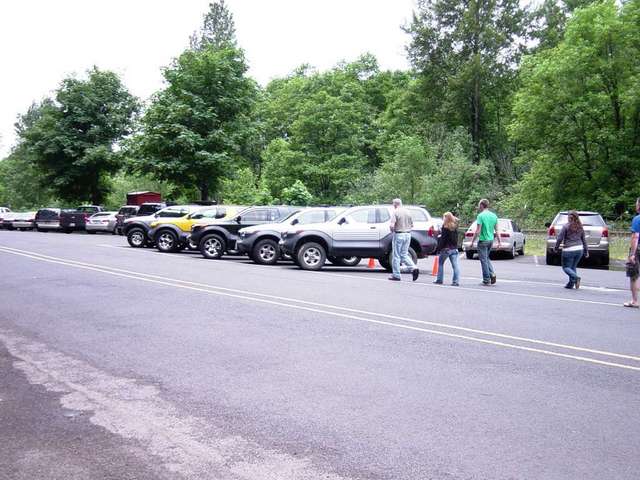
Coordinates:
[587,219]
[147,210]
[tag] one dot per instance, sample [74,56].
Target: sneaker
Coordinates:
[415,274]
[394,279]
[577,283]
[569,286]
[436,282]
[485,284]
[493,279]
[455,284]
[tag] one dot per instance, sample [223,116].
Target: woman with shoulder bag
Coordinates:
[448,248]
[575,246]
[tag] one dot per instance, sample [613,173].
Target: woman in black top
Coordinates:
[448,248]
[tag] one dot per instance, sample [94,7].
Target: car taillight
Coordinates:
[552,232]
[431,231]
[505,235]
[468,234]
[605,233]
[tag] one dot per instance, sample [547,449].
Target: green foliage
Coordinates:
[122,183]
[576,117]
[297,194]
[194,131]
[244,189]
[218,29]
[71,139]
[20,183]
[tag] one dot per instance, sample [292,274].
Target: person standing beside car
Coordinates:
[633,262]
[448,248]
[575,246]
[486,232]
[401,224]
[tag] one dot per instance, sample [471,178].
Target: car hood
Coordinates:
[146,218]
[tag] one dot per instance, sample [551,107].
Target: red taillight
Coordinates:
[468,234]
[431,231]
[505,235]
[605,233]
[552,232]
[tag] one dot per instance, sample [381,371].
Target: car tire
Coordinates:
[469,254]
[551,259]
[137,237]
[266,252]
[345,261]
[604,260]
[212,247]
[311,256]
[166,241]
[91,232]
[387,263]
[521,251]
[511,254]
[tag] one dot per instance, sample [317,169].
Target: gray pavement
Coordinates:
[188,368]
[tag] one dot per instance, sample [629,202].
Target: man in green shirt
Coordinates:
[486,231]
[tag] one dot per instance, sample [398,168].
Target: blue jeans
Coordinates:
[400,244]
[484,248]
[452,255]
[570,262]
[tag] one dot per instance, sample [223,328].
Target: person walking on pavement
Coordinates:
[448,248]
[575,246]
[633,262]
[401,225]
[486,232]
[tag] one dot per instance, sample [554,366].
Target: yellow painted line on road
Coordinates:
[318,308]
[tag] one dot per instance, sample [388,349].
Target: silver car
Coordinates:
[101,222]
[512,240]
[24,221]
[596,233]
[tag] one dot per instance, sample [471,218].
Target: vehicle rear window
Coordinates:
[588,220]
[86,209]
[418,215]
[147,209]
[127,211]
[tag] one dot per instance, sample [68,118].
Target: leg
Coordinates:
[566,268]
[405,240]
[395,261]
[483,255]
[633,284]
[453,258]
[442,257]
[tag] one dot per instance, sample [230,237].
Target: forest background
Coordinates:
[536,108]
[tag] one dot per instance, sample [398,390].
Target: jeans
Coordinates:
[570,262]
[452,255]
[484,248]
[401,243]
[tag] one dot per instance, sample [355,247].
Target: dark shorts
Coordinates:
[633,271]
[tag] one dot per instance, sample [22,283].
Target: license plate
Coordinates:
[72,224]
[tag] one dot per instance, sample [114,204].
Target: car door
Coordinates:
[254,216]
[357,233]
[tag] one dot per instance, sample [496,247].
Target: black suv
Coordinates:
[215,239]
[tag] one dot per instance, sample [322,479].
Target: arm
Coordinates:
[496,233]
[392,222]
[633,247]
[584,245]
[476,233]
[560,238]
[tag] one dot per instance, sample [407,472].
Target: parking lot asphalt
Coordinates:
[226,369]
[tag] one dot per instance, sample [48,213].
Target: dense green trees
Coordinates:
[72,139]
[538,109]
[577,115]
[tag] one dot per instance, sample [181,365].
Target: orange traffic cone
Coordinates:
[434,269]
[372,263]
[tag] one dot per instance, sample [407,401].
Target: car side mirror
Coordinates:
[220,215]
[295,221]
[342,221]
[548,224]
[155,215]
[239,218]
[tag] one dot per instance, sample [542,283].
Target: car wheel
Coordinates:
[166,241]
[91,232]
[521,251]
[212,246]
[551,259]
[311,256]
[266,252]
[469,254]
[604,260]
[136,237]
[511,254]
[347,261]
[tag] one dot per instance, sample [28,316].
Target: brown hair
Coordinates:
[450,222]
[484,202]
[574,224]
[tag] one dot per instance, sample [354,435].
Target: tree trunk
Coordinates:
[204,191]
